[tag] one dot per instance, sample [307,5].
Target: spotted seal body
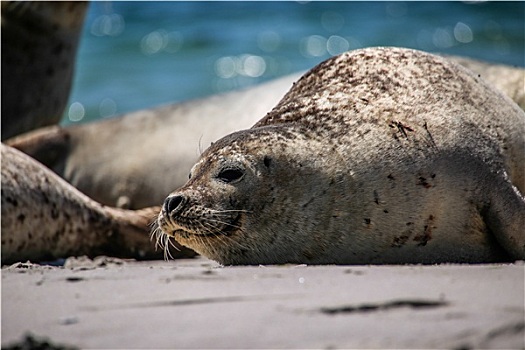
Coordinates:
[39,45]
[380,155]
[45,218]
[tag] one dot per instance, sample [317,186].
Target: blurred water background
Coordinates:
[135,55]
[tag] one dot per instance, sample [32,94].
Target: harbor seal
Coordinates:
[379,155]
[39,45]
[45,218]
[98,159]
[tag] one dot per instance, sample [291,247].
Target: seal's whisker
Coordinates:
[224,223]
[167,253]
[160,239]
[161,236]
[231,211]
[202,241]
[173,245]
[161,242]
[222,237]
[157,233]
[154,225]
[231,240]
[209,227]
[206,245]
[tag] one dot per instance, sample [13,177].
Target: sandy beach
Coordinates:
[195,303]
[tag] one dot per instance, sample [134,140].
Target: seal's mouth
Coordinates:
[201,229]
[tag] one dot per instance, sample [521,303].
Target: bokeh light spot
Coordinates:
[336,45]
[76,112]
[253,66]
[442,38]
[108,25]
[463,33]
[225,67]
[314,46]
[153,42]
[107,108]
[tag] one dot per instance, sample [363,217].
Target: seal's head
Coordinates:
[232,209]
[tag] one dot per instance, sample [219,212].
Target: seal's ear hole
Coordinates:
[230,175]
[267,160]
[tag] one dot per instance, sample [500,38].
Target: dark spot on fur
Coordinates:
[12,201]
[367,221]
[423,182]
[92,218]
[21,218]
[376,197]
[399,241]
[385,211]
[401,128]
[44,197]
[231,200]
[390,177]
[56,236]
[55,213]
[308,254]
[426,236]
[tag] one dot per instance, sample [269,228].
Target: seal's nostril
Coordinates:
[172,204]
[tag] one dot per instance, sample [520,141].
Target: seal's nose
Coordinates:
[173,204]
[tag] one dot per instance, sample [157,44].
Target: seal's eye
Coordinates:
[267,161]
[230,175]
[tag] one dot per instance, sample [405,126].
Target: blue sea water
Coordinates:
[136,55]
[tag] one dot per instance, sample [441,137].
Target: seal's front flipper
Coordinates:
[505,217]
